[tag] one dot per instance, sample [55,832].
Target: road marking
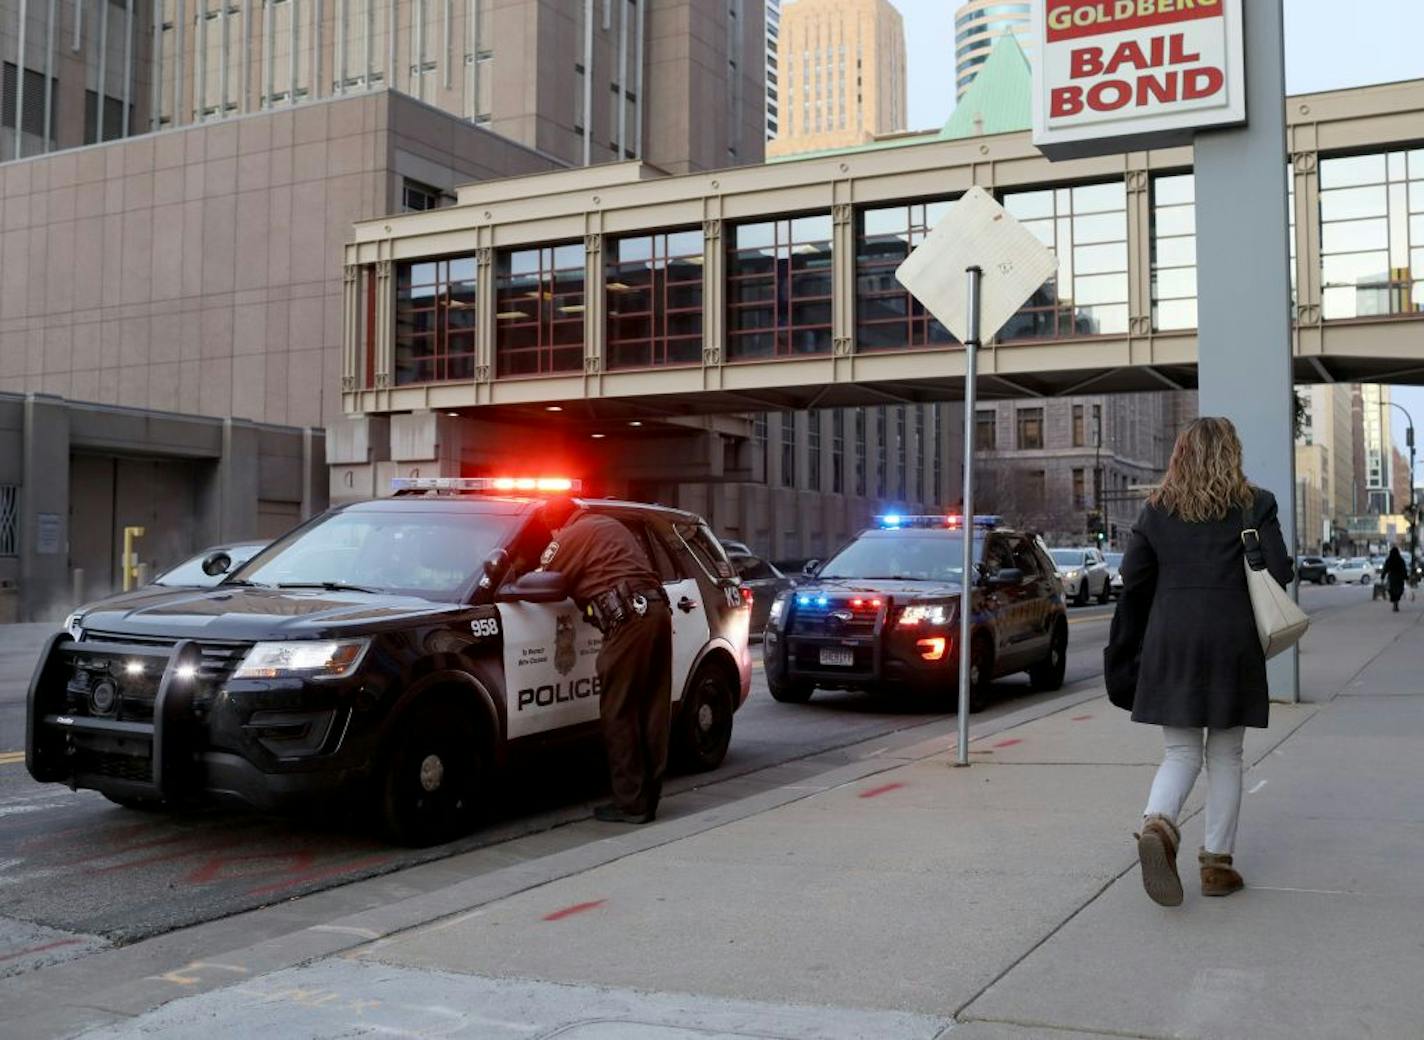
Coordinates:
[577,908]
[1257,787]
[38,949]
[876,792]
[1089,620]
[9,758]
[346,929]
[1010,742]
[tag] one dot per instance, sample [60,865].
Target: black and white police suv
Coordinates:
[883,613]
[369,653]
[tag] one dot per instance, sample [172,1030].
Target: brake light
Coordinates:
[932,649]
[747,596]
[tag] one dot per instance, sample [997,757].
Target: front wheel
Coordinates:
[1081,599]
[1364,579]
[981,672]
[1049,673]
[433,776]
[1106,594]
[704,721]
[1330,579]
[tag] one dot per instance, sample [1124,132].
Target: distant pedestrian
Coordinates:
[1395,574]
[1184,653]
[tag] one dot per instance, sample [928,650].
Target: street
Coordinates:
[100,875]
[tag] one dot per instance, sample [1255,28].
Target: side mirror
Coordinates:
[216,563]
[496,563]
[1007,576]
[809,569]
[535,587]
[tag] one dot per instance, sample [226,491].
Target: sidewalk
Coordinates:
[897,896]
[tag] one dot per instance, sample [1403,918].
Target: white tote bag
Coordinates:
[1279,620]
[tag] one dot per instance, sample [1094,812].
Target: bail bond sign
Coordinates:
[1115,75]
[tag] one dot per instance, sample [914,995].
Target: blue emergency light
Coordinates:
[952,521]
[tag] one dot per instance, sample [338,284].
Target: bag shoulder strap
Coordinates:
[1251,539]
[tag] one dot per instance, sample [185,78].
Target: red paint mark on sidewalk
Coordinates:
[38,949]
[318,875]
[1081,718]
[1010,742]
[876,792]
[577,908]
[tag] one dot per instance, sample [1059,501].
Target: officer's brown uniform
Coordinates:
[598,556]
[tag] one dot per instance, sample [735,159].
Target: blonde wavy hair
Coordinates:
[1204,480]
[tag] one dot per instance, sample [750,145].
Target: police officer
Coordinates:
[611,579]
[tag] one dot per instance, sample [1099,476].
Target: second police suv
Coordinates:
[369,654]
[883,613]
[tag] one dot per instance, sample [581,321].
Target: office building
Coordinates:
[1326,446]
[978,25]
[773,72]
[566,78]
[1379,444]
[842,74]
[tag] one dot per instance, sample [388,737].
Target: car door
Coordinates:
[689,609]
[1003,603]
[1038,589]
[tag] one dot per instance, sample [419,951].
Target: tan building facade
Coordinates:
[565,77]
[842,75]
[1325,458]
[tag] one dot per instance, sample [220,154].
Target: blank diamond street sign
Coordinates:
[976,231]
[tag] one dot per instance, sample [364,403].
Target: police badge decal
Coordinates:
[549,554]
[565,652]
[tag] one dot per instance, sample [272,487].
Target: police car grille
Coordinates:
[217,661]
[120,767]
[812,620]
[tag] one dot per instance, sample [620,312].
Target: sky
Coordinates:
[1330,44]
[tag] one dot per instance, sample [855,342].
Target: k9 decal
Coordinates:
[483,628]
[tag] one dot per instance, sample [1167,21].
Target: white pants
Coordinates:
[1178,773]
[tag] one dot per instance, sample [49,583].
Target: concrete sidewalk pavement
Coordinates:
[999,901]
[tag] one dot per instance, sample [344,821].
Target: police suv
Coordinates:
[883,613]
[371,652]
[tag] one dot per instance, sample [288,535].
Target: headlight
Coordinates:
[926,614]
[1073,574]
[308,659]
[73,627]
[778,608]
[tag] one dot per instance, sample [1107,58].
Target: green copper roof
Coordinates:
[999,100]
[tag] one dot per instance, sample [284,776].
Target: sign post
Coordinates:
[973,272]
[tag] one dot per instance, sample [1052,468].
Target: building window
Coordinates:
[1080,489]
[539,304]
[788,449]
[1079,439]
[779,288]
[113,116]
[813,451]
[1030,429]
[938,468]
[838,451]
[1032,491]
[9,520]
[986,431]
[416,197]
[1086,227]
[882,438]
[654,297]
[1174,252]
[902,447]
[435,320]
[1372,234]
[759,435]
[1097,431]
[887,316]
[860,452]
[32,118]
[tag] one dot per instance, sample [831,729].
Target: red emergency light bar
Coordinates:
[499,485]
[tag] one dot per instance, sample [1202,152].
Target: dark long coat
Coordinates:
[1183,650]
[1395,573]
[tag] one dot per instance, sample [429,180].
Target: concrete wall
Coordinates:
[84,472]
[199,270]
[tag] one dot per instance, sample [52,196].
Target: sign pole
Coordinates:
[967,582]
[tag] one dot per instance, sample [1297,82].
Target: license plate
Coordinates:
[836,657]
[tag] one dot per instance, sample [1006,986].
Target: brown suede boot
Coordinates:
[1218,876]
[1157,852]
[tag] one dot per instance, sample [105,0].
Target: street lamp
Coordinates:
[1413,511]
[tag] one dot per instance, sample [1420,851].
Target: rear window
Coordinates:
[749,568]
[706,549]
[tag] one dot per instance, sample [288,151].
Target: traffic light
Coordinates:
[1097,526]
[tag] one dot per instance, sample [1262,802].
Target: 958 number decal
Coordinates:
[484,627]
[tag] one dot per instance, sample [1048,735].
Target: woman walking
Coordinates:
[1184,653]
[1395,574]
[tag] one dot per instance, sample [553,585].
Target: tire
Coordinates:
[1048,674]
[981,673]
[1081,600]
[432,779]
[703,729]
[790,691]
[1106,594]
[1365,579]
[1330,579]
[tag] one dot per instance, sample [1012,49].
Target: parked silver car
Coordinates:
[1084,574]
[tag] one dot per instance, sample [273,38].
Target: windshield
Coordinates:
[1114,559]
[1067,557]
[190,572]
[908,555]
[434,555]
